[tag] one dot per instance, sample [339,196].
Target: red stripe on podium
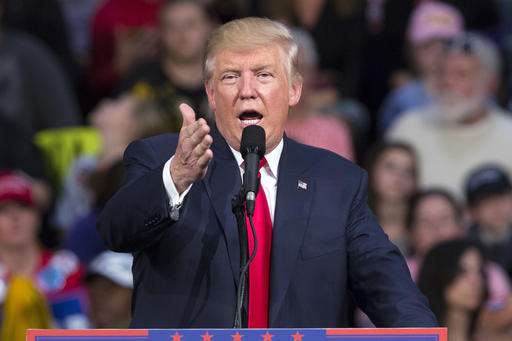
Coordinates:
[442,332]
[33,333]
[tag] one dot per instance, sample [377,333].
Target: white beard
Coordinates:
[452,109]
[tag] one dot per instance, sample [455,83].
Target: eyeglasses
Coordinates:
[465,44]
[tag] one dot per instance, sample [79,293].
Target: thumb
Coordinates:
[187,114]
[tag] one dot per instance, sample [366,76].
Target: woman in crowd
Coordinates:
[436,217]
[392,181]
[452,278]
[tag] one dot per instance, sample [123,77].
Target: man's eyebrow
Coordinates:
[229,69]
[262,67]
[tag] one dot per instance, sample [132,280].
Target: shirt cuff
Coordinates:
[175,199]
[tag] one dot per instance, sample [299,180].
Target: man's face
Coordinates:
[251,87]
[494,214]
[463,88]
[114,119]
[18,225]
[109,303]
[461,74]
[184,30]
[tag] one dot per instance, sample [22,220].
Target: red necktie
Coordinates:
[259,270]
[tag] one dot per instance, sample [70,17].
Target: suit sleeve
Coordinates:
[378,275]
[138,214]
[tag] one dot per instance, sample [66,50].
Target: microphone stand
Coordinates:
[237,205]
[252,148]
[242,296]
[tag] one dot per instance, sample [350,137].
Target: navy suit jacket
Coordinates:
[325,243]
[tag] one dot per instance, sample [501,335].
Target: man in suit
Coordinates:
[174,210]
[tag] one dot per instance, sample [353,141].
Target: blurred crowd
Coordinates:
[417,92]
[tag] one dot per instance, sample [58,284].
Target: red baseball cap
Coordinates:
[15,186]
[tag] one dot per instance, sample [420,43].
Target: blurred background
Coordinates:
[417,92]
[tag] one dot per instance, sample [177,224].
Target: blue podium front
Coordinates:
[365,334]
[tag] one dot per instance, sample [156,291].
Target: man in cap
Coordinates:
[110,284]
[463,127]
[489,198]
[432,23]
[55,274]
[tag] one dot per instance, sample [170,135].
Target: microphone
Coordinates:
[252,149]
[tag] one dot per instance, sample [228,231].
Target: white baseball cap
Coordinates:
[115,266]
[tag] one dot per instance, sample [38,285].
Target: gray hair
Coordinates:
[480,47]
[248,34]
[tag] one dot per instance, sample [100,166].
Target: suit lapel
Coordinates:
[294,195]
[222,182]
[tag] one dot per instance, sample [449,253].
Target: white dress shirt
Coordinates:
[268,181]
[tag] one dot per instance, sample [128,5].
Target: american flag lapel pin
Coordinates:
[302,185]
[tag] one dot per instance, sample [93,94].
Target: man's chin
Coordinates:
[456,114]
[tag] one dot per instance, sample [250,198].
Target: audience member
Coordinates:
[430,25]
[435,217]
[119,121]
[308,123]
[18,151]
[452,279]
[462,128]
[489,197]
[392,182]
[83,238]
[123,34]
[176,76]
[110,285]
[36,93]
[327,21]
[43,19]
[57,275]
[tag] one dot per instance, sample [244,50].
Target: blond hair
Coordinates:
[248,34]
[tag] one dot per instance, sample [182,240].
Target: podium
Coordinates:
[301,334]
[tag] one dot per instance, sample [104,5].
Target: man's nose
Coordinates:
[248,89]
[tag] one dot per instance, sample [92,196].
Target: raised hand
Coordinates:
[193,152]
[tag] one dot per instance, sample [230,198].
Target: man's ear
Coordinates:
[295,91]
[208,87]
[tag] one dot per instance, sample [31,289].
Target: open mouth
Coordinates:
[249,117]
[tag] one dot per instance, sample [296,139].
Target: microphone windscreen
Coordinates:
[253,140]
